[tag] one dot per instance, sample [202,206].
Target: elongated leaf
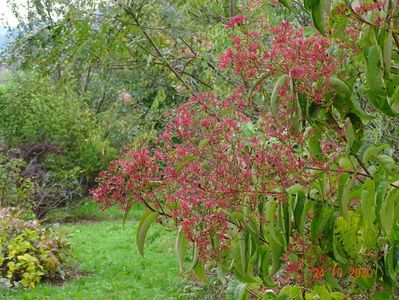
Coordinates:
[220,273]
[320,220]
[243,255]
[388,264]
[373,71]
[388,53]
[277,251]
[344,186]
[300,211]
[275,98]
[236,291]
[195,257]
[368,201]
[344,101]
[181,247]
[375,82]
[388,211]
[199,271]
[272,235]
[285,222]
[146,220]
[317,15]
[395,100]
[286,3]
[313,143]
[338,252]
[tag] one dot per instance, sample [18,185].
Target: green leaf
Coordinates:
[373,71]
[317,15]
[382,296]
[284,220]
[195,257]
[271,234]
[292,291]
[322,292]
[277,251]
[185,161]
[199,270]
[344,101]
[389,264]
[395,100]
[145,222]
[286,3]
[375,82]
[269,295]
[338,252]
[300,211]
[313,143]
[153,184]
[387,211]
[322,215]
[125,214]
[388,53]
[344,186]
[275,98]
[367,200]
[236,291]
[181,247]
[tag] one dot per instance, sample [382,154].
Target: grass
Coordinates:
[116,270]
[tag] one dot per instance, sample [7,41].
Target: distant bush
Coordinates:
[29,253]
[54,136]
[33,110]
[15,190]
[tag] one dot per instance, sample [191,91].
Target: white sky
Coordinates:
[6,15]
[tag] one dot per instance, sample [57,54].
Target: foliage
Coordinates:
[15,190]
[273,181]
[56,138]
[34,110]
[29,252]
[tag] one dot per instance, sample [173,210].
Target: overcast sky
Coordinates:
[6,14]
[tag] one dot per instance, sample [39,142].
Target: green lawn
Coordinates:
[116,270]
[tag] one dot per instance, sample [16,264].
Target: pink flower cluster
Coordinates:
[371,6]
[236,20]
[304,59]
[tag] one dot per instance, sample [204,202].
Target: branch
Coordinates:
[155,47]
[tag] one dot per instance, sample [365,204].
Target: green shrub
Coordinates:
[56,138]
[29,253]
[34,110]
[15,190]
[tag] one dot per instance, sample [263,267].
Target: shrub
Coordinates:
[56,138]
[15,190]
[277,186]
[29,252]
[34,110]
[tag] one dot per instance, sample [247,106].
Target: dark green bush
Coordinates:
[15,190]
[33,110]
[29,252]
[56,138]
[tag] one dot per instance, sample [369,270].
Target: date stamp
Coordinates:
[337,272]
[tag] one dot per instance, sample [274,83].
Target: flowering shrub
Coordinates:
[29,253]
[274,191]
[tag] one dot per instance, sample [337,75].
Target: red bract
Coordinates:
[237,20]
[125,180]
[304,59]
